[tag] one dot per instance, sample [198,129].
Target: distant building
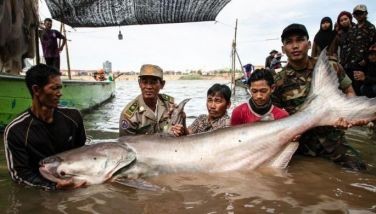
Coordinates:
[107,66]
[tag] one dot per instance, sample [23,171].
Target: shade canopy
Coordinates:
[103,13]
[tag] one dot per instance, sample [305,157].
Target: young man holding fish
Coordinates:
[218,100]
[43,130]
[259,107]
[292,88]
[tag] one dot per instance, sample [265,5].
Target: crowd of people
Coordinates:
[46,129]
[352,45]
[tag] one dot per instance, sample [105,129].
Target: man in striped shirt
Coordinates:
[42,130]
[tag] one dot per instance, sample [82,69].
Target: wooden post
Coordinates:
[36,39]
[67,52]
[233,55]
[37,46]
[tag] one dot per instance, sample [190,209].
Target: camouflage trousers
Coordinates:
[330,143]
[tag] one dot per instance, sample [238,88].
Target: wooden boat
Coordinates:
[83,95]
[239,83]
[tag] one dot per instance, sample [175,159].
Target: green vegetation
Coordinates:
[191,77]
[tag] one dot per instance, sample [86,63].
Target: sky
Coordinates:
[202,46]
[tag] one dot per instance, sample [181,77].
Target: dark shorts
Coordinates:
[53,62]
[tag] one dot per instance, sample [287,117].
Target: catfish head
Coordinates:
[92,164]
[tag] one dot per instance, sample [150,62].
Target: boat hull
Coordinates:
[83,95]
[239,83]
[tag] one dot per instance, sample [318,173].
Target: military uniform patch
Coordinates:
[124,124]
[167,98]
[131,110]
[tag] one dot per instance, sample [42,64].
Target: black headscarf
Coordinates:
[323,38]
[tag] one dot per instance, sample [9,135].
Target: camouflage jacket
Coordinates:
[293,86]
[137,118]
[201,124]
[336,47]
[356,44]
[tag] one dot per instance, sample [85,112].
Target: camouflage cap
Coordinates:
[294,28]
[360,7]
[151,70]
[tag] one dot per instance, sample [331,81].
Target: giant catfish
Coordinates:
[243,147]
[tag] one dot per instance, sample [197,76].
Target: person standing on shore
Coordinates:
[149,112]
[51,49]
[269,59]
[338,46]
[324,37]
[361,37]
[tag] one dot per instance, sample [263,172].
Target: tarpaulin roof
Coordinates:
[102,13]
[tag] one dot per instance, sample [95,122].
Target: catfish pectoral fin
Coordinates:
[137,184]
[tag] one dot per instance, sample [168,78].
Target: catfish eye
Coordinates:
[62,173]
[94,158]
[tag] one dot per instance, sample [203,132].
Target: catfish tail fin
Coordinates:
[326,95]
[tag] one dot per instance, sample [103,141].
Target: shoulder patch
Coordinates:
[131,110]
[124,124]
[167,98]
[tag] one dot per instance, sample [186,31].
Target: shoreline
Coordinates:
[167,77]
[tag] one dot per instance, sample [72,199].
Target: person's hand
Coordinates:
[69,184]
[344,124]
[363,63]
[296,138]
[178,130]
[171,107]
[60,49]
[359,75]
[360,122]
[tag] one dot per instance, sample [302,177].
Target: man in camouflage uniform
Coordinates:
[149,112]
[360,38]
[292,88]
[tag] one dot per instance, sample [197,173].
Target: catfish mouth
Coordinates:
[46,173]
[48,169]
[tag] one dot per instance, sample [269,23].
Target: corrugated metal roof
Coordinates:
[102,13]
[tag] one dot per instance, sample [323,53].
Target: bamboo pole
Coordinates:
[234,58]
[67,52]
[37,56]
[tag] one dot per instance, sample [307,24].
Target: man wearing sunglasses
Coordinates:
[149,112]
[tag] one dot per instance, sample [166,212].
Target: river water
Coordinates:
[308,185]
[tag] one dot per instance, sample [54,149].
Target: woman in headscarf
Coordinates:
[344,24]
[324,37]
